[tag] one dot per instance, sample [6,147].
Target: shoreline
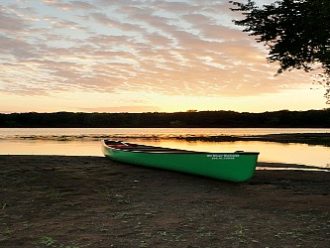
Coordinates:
[322,139]
[80,202]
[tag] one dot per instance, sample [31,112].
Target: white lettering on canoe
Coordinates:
[222,156]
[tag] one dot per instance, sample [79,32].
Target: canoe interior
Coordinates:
[236,167]
[129,147]
[118,145]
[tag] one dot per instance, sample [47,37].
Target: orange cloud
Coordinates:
[172,48]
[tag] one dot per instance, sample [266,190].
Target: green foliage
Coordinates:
[47,241]
[297,32]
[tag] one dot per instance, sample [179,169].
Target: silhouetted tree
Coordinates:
[297,32]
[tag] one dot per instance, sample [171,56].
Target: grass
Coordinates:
[5,233]
[47,241]
[240,233]
[3,205]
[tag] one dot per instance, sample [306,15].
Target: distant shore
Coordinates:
[58,201]
[302,138]
[188,119]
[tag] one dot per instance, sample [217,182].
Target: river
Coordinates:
[86,142]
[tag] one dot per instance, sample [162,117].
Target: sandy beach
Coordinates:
[75,202]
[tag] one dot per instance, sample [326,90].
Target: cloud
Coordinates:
[123,109]
[82,5]
[16,48]
[168,47]
[103,19]
[10,22]
[70,5]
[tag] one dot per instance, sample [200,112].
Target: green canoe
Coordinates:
[236,167]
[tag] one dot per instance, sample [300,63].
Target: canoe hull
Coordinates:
[235,167]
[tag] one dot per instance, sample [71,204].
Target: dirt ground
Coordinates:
[75,202]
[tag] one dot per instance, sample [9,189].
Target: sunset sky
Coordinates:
[139,56]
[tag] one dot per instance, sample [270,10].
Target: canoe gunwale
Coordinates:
[170,150]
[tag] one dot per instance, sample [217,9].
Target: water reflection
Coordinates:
[94,133]
[43,147]
[269,151]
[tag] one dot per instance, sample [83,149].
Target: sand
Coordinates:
[71,202]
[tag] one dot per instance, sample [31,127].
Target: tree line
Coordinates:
[212,119]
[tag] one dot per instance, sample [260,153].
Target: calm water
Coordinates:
[12,132]
[86,142]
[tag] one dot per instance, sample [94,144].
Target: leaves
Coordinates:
[297,32]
